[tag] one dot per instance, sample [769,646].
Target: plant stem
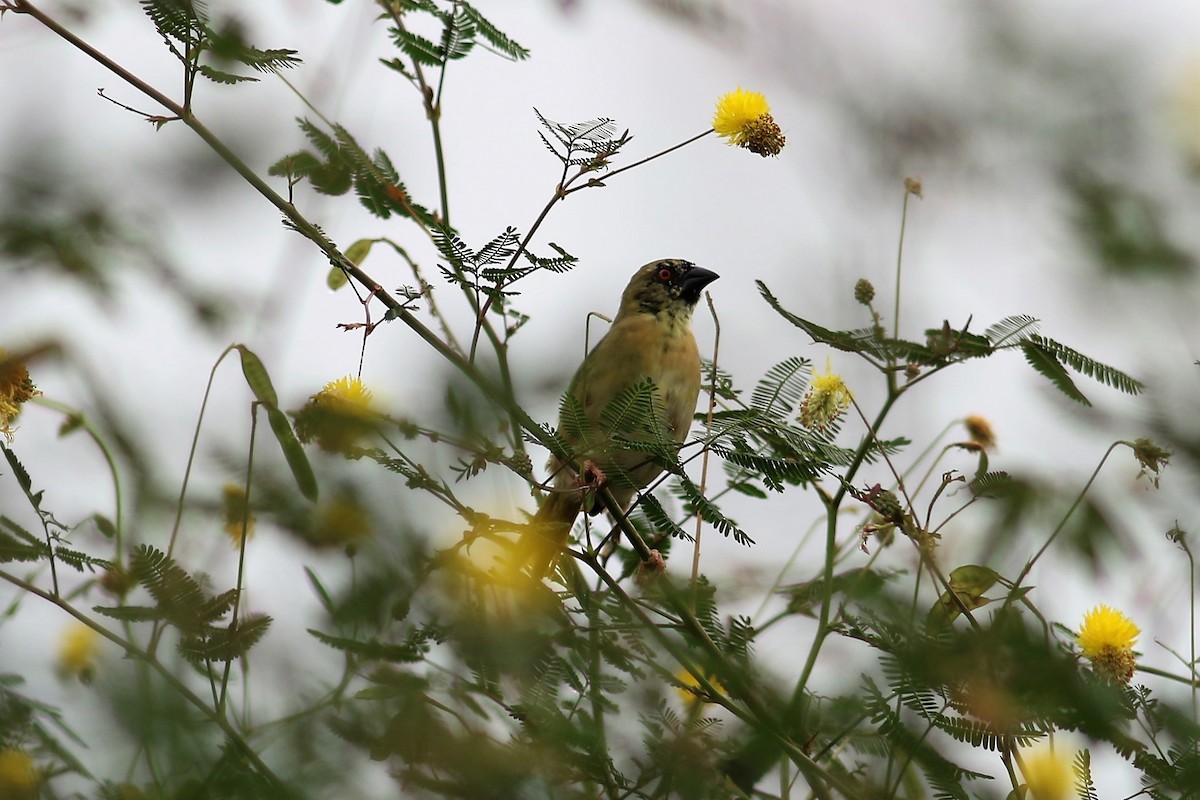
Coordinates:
[86,424]
[231,734]
[712,402]
[1063,523]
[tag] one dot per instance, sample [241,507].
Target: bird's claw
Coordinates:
[592,476]
[651,568]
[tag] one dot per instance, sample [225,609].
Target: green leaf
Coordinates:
[1016,328]
[967,583]
[1085,787]
[225,644]
[1044,362]
[418,48]
[130,613]
[458,38]
[1109,376]
[178,595]
[336,278]
[322,594]
[748,489]
[841,340]
[293,452]
[359,251]
[780,391]
[860,582]
[80,561]
[19,471]
[356,253]
[636,410]
[13,549]
[991,484]
[701,505]
[371,649]
[220,76]
[498,40]
[659,518]
[257,378]
[105,525]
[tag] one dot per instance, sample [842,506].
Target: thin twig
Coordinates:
[712,402]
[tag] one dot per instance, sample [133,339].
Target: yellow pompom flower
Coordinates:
[341,520]
[16,388]
[1048,775]
[744,119]
[19,777]
[826,399]
[690,689]
[337,416]
[77,652]
[239,522]
[1106,638]
[980,431]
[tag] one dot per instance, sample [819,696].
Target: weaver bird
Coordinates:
[650,339]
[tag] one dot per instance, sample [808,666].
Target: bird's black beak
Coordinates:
[694,281]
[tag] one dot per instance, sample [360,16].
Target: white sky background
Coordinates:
[984,106]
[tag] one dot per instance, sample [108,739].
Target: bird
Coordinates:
[650,339]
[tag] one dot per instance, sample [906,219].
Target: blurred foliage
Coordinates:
[465,677]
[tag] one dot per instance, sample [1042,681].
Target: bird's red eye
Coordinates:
[665,274]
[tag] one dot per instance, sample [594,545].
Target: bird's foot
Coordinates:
[592,476]
[651,568]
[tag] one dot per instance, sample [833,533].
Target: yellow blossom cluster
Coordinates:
[16,389]
[338,416]
[77,652]
[744,119]
[1048,775]
[19,776]
[826,399]
[238,521]
[1106,638]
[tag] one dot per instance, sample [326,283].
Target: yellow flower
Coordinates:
[690,689]
[826,399]
[1106,638]
[744,119]
[19,777]
[337,416]
[1048,775]
[239,522]
[16,388]
[980,431]
[77,652]
[339,521]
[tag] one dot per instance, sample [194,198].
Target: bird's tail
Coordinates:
[541,545]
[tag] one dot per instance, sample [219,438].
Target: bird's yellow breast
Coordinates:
[637,347]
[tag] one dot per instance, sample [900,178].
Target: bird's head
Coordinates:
[668,287]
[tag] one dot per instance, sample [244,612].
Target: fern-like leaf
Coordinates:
[177,594]
[21,547]
[1011,331]
[702,506]
[458,37]
[225,644]
[499,41]
[991,484]
[779,392]
[1085,788]
[1044,362]
[659,518]
[416,47]
[1102,373]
